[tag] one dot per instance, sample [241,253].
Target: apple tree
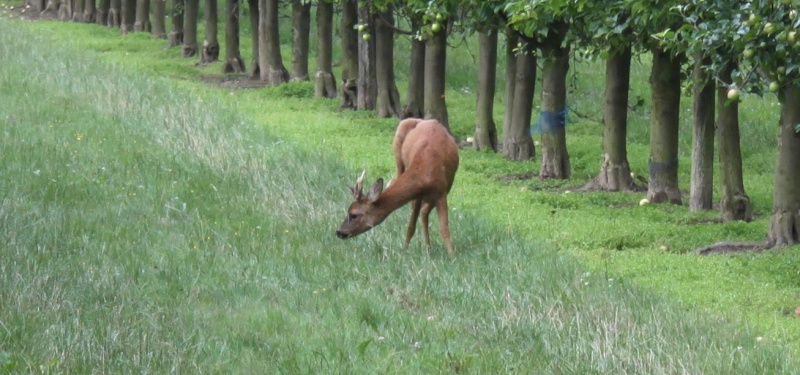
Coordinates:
[545,24]
[761,36]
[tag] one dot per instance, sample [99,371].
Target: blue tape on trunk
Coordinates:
[551,122]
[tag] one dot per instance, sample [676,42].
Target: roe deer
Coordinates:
[427,159]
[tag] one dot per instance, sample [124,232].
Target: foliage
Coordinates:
[758,35]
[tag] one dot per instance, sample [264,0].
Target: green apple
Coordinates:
[366,37]
[749,53]
[770,28]
[439,17]
[733,94]
[436,27]
[774,86]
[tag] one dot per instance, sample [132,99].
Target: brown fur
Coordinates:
[426,157]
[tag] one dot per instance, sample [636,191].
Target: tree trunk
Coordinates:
[38,5]
[114,13]
[270,61]
[89,11]
[65,10]
[175,36]
[128,16]
[485,137]
[512,39]
[142,21]
[615,172]
[349,95]
[159,30]
[784,226]
[415,96]
[734,203]
[190,28]
[702,184]
[101,18]
[665,84]
[255,72]
[366,84]
[555,158]
[324,81]
[233,58]
[388,100]
[435,68]
[210,51]
[77,10]
[301,26]
[517,141]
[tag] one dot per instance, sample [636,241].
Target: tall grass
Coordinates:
[147,227]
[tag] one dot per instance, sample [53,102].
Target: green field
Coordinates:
[153,223]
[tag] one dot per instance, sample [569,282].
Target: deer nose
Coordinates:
[341,234]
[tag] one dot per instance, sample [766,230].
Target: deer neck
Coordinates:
[400,192]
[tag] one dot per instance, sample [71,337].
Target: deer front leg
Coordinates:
[412,222]
[444,225]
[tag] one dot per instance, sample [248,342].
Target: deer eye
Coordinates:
[352,216]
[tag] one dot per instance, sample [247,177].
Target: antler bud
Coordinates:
[359,188]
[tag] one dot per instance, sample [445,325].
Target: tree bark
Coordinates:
[734,203]
[349,34]
[555,157]
[435,69]
[77,10]
[210,51]
[142,21]
[159,30]
[175,36]
[615,172]
[512,39]
[415,96]
[665,83]
[324,81]
[190,28]
[255,71]
[366,84]
[65,10]
[38,5]
[101,18]
[301,27]
[233,57]
[517,141]
[89,11]
[128,16]
[485,137]
[784,226]
[270,61]
[702,184]
[388,101]
[114,13]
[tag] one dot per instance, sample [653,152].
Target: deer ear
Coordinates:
[376,190]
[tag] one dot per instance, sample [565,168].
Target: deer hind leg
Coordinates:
[444,225]
[426,210]
[412,222]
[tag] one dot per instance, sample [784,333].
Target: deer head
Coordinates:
[362,214]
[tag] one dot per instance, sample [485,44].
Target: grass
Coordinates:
[149,223]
